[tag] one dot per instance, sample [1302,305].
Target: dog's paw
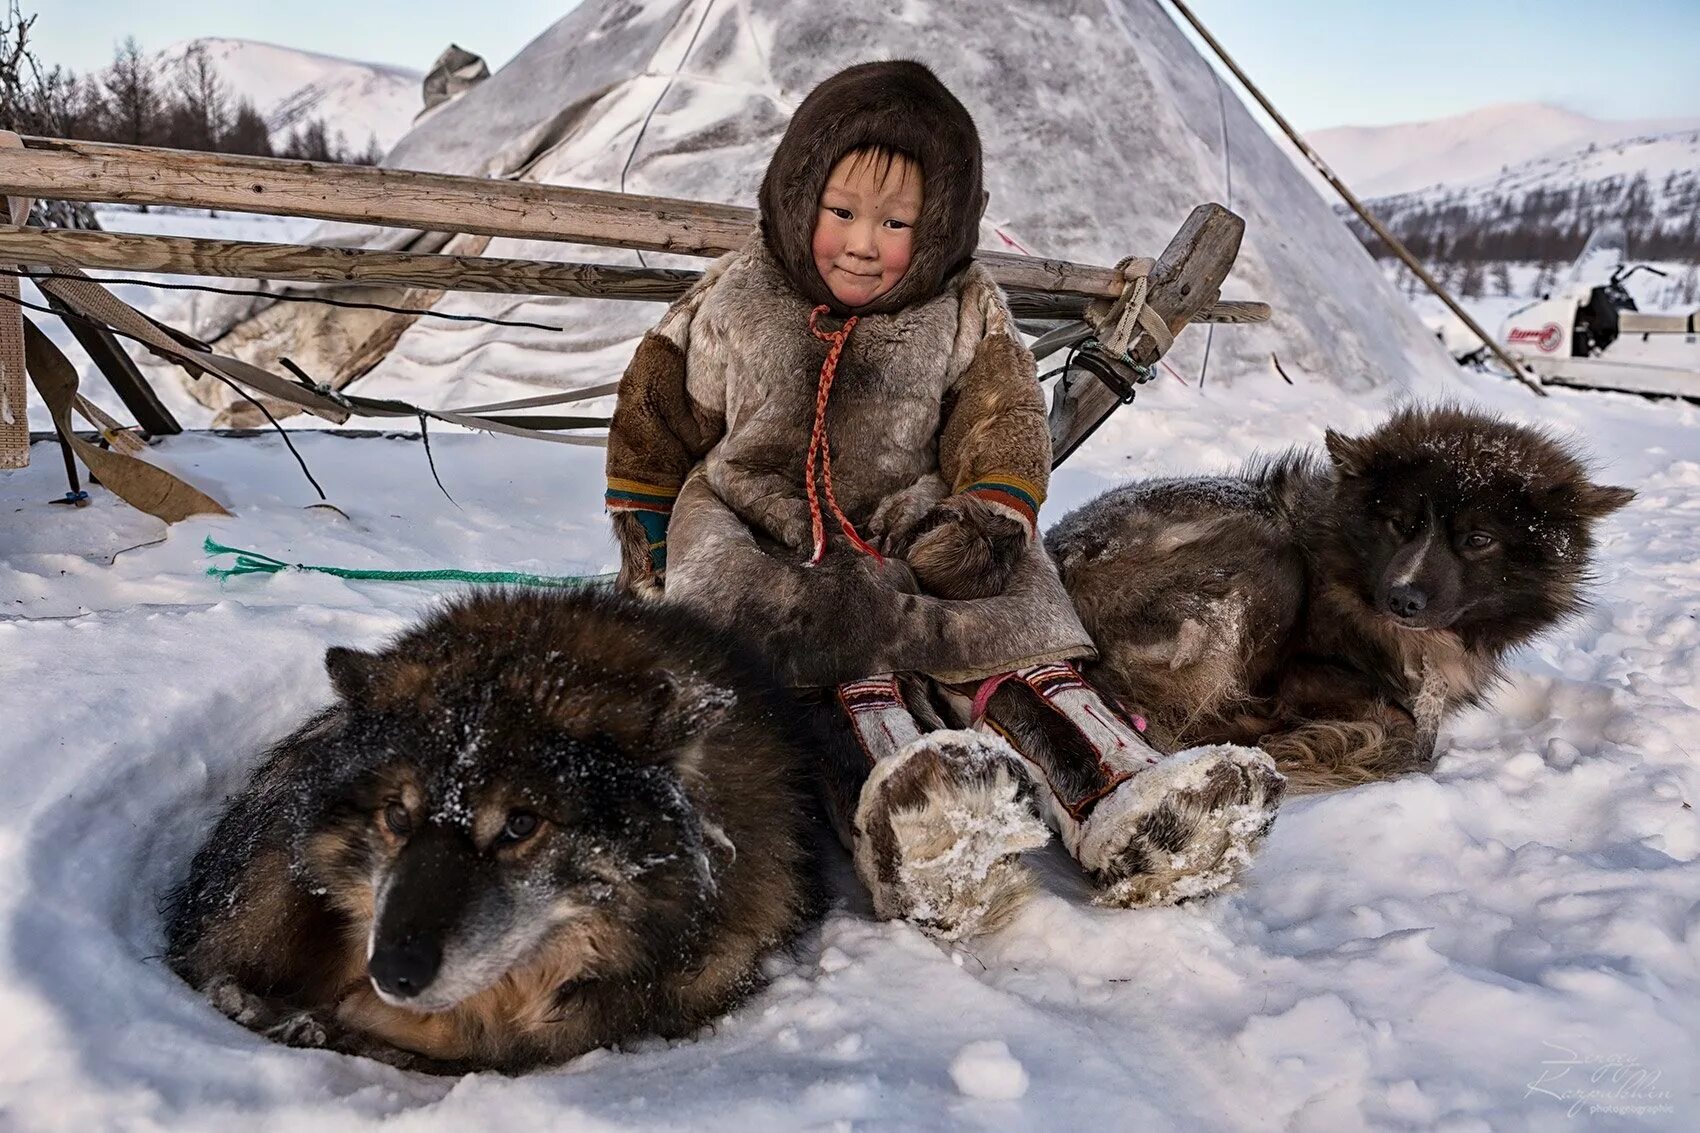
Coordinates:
[237,1004]
[965,549]
[939,832]
[300,1028]
[1184,828]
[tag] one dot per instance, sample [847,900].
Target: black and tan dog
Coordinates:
[1334,611]
[534,825]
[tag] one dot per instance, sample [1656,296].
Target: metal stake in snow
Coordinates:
[1518,370]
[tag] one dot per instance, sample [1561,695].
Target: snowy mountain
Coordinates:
[1380,161]
[288,87]
[1543,210]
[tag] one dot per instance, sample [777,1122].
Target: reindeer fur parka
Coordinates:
[934,427]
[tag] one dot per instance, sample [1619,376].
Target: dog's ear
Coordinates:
[1596,501]
[1584,501]
[687,708]
[1349,454]
[370,680]
[351,672]
[650,715]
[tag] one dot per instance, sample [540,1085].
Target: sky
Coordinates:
[1323,62]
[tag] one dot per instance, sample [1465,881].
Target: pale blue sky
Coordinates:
[1324,62]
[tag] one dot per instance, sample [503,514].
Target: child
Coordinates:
[836,444]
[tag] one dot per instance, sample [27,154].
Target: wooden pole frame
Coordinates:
[436,202]
[306,263]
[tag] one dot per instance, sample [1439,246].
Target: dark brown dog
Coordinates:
[1334,612]
[534,825]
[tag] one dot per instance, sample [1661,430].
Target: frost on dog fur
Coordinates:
[533,825]
[1376,591]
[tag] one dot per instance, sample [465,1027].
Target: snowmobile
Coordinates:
[1588,333]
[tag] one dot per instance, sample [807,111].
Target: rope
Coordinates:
[1129,316]
[1228,186]
[252,562]
[644,128]
[820,446]
[284,298]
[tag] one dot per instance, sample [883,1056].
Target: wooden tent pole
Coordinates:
[1518,370]
[307,263]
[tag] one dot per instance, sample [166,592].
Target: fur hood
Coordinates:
[901,105]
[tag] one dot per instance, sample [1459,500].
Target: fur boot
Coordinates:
[1148,829]
[939,832]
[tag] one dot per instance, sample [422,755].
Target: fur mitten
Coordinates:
[965,548]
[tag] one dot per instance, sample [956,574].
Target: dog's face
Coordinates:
[1461,521]
[486,826]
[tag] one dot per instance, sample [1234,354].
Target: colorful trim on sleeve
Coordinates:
[1012,494]
[652,505]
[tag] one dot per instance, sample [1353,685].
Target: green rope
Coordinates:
[252,562]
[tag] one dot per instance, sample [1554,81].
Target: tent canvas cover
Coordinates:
[1102,128]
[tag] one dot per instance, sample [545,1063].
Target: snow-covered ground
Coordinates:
[1477,949]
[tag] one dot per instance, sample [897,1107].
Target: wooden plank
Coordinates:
[437,202]
[122,374]
[303,263]
[14,406]
[1186,281]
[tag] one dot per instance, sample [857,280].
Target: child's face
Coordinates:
[864,230]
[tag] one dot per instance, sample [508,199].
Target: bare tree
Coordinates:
[201,110]
[135,99]
[248,132]
[1501,277]
[34,101]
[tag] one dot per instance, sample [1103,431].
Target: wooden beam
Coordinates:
[1184,283]
[121,373]
[305,263]
[302,263]
[436,202]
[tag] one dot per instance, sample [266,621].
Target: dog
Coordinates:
[1334,611]
[536,824]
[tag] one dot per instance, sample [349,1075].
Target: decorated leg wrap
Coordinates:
[1149,829]
[941,820]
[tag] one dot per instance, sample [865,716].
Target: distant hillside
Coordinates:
[1383,161]
[363,102]
[1543,210]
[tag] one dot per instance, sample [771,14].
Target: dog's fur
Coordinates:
[534,825]
[1334,611]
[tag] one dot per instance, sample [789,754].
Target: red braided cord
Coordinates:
[821,446]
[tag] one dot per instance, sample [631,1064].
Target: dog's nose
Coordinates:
[1406,601]
[406,969]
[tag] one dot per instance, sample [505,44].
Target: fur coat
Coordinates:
[934,427]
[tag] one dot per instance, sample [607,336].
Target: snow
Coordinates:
[1410,955]
[361,101]
[987,1070]
[1380,161]
[1512,942]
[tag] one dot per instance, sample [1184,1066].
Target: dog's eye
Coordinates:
[1478,541]
[520,826]
[398,820]
[1401,525]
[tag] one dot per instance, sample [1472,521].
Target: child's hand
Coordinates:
[784,520]
[900,513]
[965,548]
